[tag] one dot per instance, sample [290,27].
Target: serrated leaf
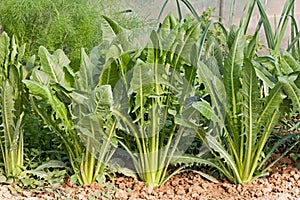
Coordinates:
[216,146]
[290,88]
[4,47]
[232,67]
[207,111]
[251,103]
[291,61]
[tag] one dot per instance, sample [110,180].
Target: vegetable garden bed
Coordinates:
[183,109]
[283,183]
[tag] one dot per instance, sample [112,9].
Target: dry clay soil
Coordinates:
[282,183]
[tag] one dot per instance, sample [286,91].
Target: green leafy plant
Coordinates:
[284,67]
[95,122]
[152,84]
[241,120]
[49,174]
[40,144]
[53,87]
[12,99]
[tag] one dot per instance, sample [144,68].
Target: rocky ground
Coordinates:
[283,183]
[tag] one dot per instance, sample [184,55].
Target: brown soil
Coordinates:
[283,183]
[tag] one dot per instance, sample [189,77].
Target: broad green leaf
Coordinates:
[110,74]
[84,81]
[110,29]
[232,36]
[142,83]
[7,112]
[21,52]
[14,77]
[251,108]
[146,81]
[116,66]
[285,68]
[271,103]
[233,65]
[103,99]
[80,97]
[291,61]
[215,88]
[41,77]
[183,122]
[13,50]
[168,25]
[45,92]
[207,111]
[213,51]
[53,64]
[190,72]
[154,52]
[191,36]
[30,63]
[268,79]
[93,134]
[37,88]
[290,88]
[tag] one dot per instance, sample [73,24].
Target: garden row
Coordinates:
[137,102]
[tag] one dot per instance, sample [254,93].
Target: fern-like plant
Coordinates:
[68,25]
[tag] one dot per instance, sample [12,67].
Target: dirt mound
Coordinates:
[283,183]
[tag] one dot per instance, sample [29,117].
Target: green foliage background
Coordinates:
[60,24]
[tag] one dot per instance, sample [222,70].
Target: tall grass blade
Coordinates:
[231,11]
[191,9]
[162,10]
[249,7]
[179,10]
